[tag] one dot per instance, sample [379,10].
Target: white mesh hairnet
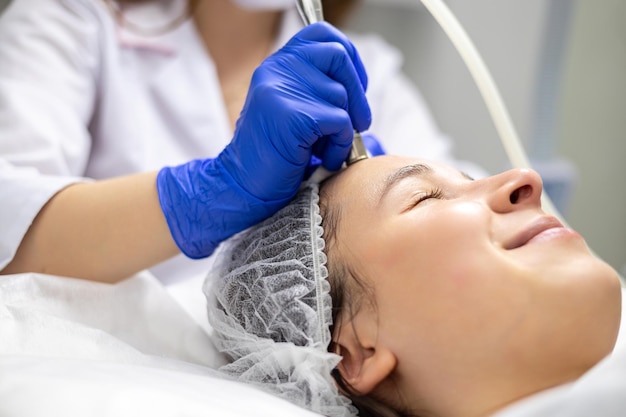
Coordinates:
[269,303]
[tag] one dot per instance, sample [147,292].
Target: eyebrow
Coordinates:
[401,174]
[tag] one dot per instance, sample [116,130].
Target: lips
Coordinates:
[539,226]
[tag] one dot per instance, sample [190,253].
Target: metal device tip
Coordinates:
[358,151]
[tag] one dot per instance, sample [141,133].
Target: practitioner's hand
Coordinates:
[304,100]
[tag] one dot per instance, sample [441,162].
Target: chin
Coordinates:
[587,291]
[605,297]
[611,281]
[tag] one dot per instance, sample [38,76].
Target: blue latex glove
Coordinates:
[304,100]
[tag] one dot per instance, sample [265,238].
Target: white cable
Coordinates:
[482,77]
[487,87]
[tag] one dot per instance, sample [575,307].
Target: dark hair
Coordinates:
[346,288]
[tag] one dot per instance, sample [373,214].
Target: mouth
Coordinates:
[542,229]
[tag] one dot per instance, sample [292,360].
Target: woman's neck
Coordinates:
[238,41]
[228,31]
[487,389]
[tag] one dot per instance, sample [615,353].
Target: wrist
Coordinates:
[204,205]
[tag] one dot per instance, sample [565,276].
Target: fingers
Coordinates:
[327,130]
[308,98]
[336,138]
[337,81]
[331,53]
[337,147]
[325,32]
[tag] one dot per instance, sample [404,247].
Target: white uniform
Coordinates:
[82,98]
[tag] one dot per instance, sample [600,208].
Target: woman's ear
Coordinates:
[364,365]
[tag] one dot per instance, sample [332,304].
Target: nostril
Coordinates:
[520,193]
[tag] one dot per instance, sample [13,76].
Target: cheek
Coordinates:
[440,263]
[443,240]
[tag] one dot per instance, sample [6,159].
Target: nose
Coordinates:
[514,189]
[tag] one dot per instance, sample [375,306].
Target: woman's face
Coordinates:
[470,277]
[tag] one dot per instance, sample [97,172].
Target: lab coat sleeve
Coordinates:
[49,58]
[401,118]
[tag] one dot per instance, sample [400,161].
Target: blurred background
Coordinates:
[560,67]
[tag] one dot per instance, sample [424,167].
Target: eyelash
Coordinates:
[433,193]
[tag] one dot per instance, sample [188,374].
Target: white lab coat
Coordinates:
[83,99]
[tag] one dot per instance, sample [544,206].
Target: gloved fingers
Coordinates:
[331,59]
[304,82]
[325,32]
[335,155]
[315,126]
[336,140]
[331,91]
[330,155]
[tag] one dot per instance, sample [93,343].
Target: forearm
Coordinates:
[103,231]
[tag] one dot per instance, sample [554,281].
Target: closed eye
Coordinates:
[434,193]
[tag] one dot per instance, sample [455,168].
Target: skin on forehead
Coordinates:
[454,298]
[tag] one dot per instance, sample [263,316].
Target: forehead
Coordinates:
[362,183]
[352,195]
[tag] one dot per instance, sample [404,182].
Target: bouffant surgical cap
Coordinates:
[269,304]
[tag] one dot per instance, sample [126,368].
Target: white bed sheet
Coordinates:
[76,348]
